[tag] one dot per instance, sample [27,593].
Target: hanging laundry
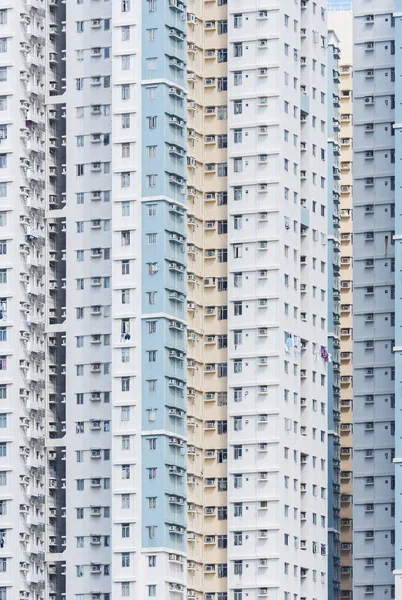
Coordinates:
[324,354]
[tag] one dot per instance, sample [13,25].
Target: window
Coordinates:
[238,165]
[125,238]
[222,484]
[125,501]
[237,250]
[125,589]
[222,313]
[125,180]
[222,27]
[3,478]
[151,532]
[125,62]
[238,78]
[125,92]
[125,413]
[125,121]
[222,169]
[151,355]
[151,64]
[222,55]
[125,6]
[125,33]
[152,591]
[125,559]
[238,49]
[125,471]
[152,561]
[238,107]
[222,84]
[152,326]
[222,255]
[222,113]
[222,369]
[238,538]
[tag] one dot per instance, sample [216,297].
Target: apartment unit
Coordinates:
[374,227]
[170,336]
[342,23]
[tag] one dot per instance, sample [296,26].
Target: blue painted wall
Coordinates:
[398,289]
[163,231]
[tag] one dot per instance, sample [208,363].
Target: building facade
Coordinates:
[342,23]
[374,64]
[278,302]
[169,201]
[334,175]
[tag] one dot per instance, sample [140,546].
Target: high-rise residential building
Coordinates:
[170,336]
[278,301]
[342,23]
[375,288]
